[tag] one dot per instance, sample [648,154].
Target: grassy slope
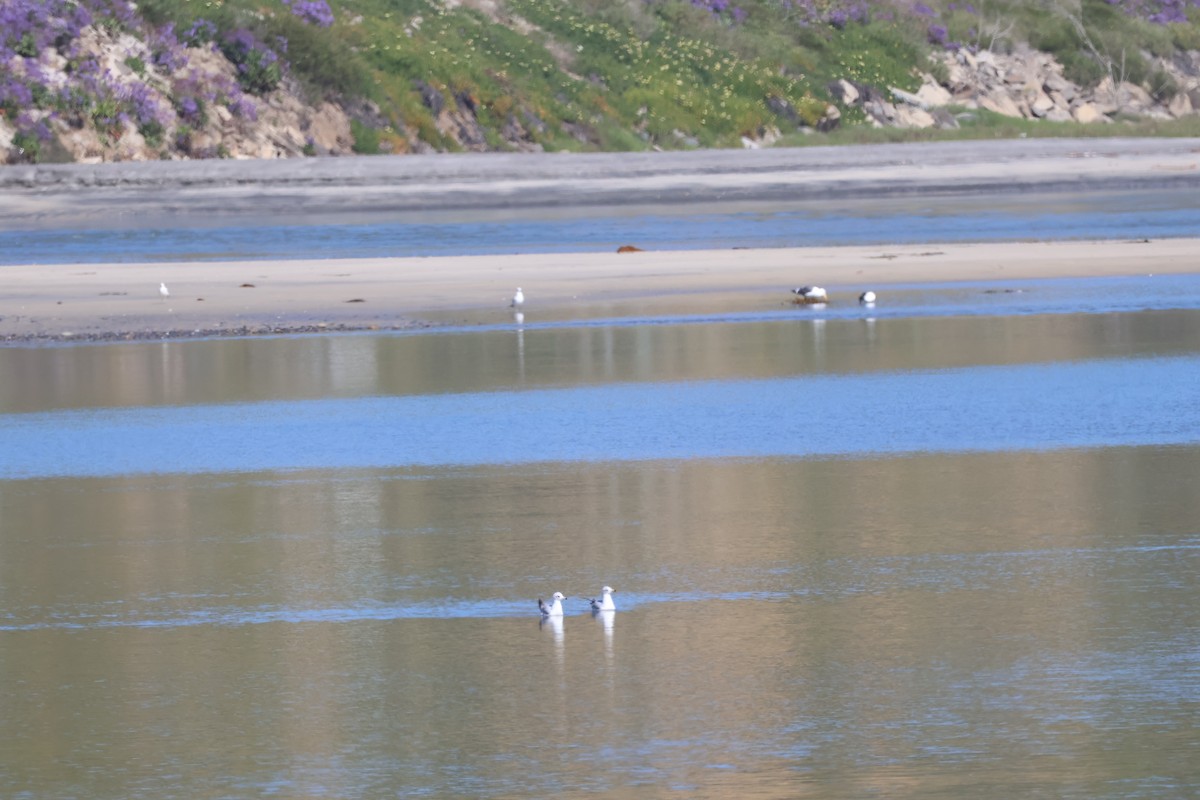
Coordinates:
[630,74]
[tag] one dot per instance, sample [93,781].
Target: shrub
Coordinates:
[259,70]
[366,138]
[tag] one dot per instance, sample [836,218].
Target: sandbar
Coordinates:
[113,301]
[122,301]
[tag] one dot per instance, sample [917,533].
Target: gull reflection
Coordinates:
[555,626]
[519,321]
[606,618]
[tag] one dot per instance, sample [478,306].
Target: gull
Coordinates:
[552,609]
[867,298]
[518,298]
[163,290]
[605,603]
[811,294]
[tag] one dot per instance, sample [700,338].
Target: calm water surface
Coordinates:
[918,552]
[1097,215]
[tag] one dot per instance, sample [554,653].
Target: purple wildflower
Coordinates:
[315,12]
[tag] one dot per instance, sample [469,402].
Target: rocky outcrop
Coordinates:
[1024,84]
[199,110]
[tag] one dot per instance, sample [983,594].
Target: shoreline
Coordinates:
[179,193]
[121,302]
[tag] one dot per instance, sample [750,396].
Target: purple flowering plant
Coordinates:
[314,12]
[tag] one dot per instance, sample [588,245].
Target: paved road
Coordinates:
[51,196]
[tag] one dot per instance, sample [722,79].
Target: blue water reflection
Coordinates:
[1157,215]
[1097,403]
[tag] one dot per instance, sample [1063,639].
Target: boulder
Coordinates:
[933,95]
[1180,105]
[844,92]
[1104,97]
[1041,105]
[329,129]
[1133,99]
[1000,103]
[1088,113]
[912,117]
[907,97]
[830,119]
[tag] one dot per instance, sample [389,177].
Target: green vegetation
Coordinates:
[636,74]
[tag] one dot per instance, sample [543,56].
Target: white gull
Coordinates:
[605,602]
[552,609]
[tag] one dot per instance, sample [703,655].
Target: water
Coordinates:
[947,547]
[167,237]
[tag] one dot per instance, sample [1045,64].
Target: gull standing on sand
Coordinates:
[518,298]
[552,609]
[811,294]
[163,290]
[605,601]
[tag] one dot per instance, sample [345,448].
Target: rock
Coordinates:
[882,112]
[1104,97]
[1132,100]
[844,92]
[933,95]
[1088,113]
[782,108]
[430,96]
[1054,82]
[1001,104]
[1058,114]
[329,129]
[943,119]
[913,117]
[831,119]
[1041,106]
[1180,105]
[463,128]
[907,97]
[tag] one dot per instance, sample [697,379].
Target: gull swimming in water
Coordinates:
[552,609]
[867,298]
[605,602]
[163,290]
[518,298]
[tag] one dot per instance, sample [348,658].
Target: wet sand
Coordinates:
[115,301]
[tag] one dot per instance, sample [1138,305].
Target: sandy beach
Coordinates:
[117,301]
[240,298]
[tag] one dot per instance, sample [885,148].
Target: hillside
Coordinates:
[105,80]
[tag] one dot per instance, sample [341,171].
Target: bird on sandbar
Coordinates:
[867,298]
[554,609]
[518,298]
[163,290]
[605,601]
[810,294]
